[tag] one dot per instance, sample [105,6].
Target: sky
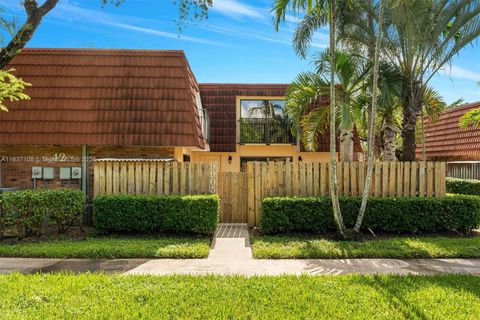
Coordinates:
[236,44]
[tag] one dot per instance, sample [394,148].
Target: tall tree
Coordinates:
[371,123]
[422,46]
[351,74]
[35,12]
[319,12]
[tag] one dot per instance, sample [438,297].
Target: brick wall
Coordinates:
[18,160]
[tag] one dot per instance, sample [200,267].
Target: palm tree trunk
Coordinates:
[333,186]
[346,145]
[346,133]
[389,144]
[371,123]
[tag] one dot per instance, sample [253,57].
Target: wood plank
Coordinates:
[400,167]
[108,177]
[123,177]
[131,177]
[295,179]
[101,176]
[198,178]
[323,179]
[430,179]
[361,177]
[354,178]
[138,177]
[406,179]
[152,187]
[301,173]
[443,172]
[309,178]
[251,194]
[378,179]
[145,177]
[167,178]
[392,181]
[234,197]
[160,178]
[115,177]
[258,187]
[346,178]
[437,184]
[288,179]
[413,179]
[96,179]
[183,177]
[191,179]
[174,177]
[281,178]
[422,179]
[316,179]
[385,179]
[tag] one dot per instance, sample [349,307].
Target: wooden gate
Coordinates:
[232,190]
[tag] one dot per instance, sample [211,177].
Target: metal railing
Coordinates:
[266,130]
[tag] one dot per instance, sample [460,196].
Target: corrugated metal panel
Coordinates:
[100,97]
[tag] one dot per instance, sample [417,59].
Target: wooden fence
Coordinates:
[303,179]
[153,177]
[464,170]
[241,193]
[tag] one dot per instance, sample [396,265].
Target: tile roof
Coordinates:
[220,100]
[445,139]
[104,97]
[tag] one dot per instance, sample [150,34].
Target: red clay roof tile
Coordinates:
[444,139]
[104,97]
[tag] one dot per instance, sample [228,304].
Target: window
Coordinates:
[264,121]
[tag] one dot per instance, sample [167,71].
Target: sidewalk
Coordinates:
[231,255]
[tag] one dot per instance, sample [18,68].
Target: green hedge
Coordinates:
[153,213]
[29,210]
[396,215]
[463,186]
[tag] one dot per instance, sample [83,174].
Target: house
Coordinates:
[89,104]
[446,141]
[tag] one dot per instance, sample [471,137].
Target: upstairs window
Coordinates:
[264,121]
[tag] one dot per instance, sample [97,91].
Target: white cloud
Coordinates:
[164,34]
[67,11]
[457,72]
[235,9]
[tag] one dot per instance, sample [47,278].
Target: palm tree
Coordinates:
[322,11]
[471,118]
[309,88]
[420,47]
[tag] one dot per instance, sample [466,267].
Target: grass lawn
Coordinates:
[112,247]
[286,247]
[97,296]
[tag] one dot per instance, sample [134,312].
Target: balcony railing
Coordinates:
[266,130]
[205,123]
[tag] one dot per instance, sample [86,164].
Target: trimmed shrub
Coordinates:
[463,186]
[396,215]
[154,213]
[29,210]
[64,206]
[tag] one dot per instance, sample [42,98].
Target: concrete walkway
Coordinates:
[231,254]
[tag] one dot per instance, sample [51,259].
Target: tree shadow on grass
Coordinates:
[394,289]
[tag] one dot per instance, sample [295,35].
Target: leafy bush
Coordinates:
[463,186]
[64,206]
[153,213]
[29,210]
[397,215]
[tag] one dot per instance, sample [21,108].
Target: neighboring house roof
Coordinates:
[444,139]
[220,101]
[104,97]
